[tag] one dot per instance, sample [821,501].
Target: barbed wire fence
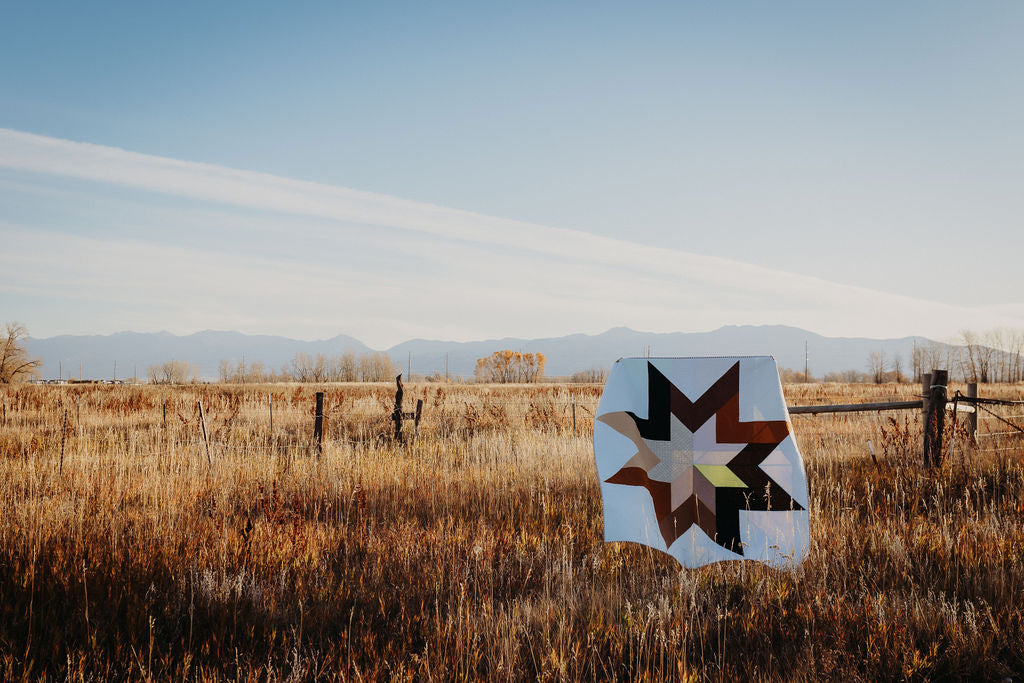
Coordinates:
[166,428]
[995,424]
[1000,424]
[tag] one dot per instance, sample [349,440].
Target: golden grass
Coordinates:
[475,550]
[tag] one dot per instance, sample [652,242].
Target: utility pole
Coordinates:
[79,369]
[115,370]
[446,368]
[914,362]
[60,371]
[408,369]
[805,363]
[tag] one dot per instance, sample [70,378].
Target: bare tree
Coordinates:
[1014,347]
[257,373]
[978,360]
[936,356]
[347,367]
[15,364]
[300,367]
[307,368]
[342,368]
[594,375]
[1005,345]
[995,339]
[376,367]
[876,365]
[897,368]
[173,372]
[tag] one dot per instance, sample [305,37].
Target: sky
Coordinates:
[478,170]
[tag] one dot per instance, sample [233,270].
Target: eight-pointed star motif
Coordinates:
[692,463]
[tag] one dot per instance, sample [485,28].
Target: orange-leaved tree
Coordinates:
[510,366]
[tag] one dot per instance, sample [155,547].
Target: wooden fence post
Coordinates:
[270,404]
[318,423]
[972,419]
[926,392]
[936,420]
[397,415]
[206,440]
[419,412]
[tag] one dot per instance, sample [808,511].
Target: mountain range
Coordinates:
[95,356]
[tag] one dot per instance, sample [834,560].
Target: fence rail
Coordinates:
[854,407]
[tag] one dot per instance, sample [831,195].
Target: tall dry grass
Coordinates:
[473,551]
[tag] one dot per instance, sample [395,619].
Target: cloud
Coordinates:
[452,273]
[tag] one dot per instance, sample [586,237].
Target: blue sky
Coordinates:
[528,169]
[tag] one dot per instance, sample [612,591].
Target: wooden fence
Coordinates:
[934,403]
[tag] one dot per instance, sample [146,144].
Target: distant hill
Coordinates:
[97,354]
[576,352]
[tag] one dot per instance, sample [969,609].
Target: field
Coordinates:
[474,550]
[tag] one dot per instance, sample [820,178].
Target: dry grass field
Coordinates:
[474,551]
